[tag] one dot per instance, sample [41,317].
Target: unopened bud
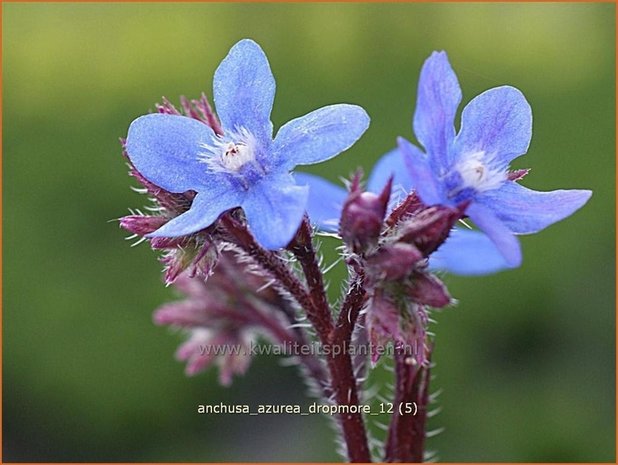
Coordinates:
[382,323]
[363,216]
[429,228]
[395,261]
[427,289]
[408,206]
[199,260]
[390,318]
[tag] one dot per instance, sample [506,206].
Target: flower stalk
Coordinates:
[318,311]
[343,382]
[407,432]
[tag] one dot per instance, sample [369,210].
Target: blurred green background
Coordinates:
[525,361]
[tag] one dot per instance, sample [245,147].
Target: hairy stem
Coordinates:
[270,261]
[351,307]
[319,313]
[345,393]
[348,316]
[343,381]
[312,298]
[273,264]
[406,434]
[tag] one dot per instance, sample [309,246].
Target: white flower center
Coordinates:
[478,172]
[230,152]
[236,155]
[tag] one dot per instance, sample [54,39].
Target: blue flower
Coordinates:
[243,167]
[465,252]
[472,166]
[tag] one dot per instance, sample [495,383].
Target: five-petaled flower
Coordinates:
[472,166]
[243,167]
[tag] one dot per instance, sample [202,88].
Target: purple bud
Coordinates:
[199,260]
[175,261]
[382,322]
[429,228]
[363,215]
[395,261]
[394,318]
[427,289]
[142,224]
[410,205]
[204,262]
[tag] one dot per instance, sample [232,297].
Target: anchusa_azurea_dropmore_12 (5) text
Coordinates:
[237,227]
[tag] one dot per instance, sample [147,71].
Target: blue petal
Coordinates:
[468,253]
[325,201]
[525,211]
[207,206]
[438,98]
[274,209]
[244,90]
[505,241]
[165,149]
[319,135]
[420,172]
[497,122]
[391,164]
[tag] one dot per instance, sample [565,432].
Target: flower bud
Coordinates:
[408,206]
[391,318]
[428,229]
[427,289]
[382,322]
[219,330]
[395,261]
[199,259]
[363,216]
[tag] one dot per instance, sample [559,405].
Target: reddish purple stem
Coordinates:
[319,312]
[406,434]
[343,381]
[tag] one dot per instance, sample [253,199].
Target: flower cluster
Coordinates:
[225,313]
[233,222]
[391,253]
